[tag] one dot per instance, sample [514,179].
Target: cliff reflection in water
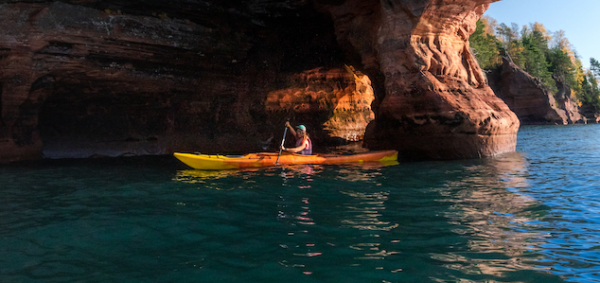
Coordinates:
[489,210]
[466,216]
[332,215]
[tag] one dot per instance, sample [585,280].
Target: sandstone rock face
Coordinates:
[90,79]
[530,100]
[342,97]
[353,112]
[566,103]
[589,113]
[110,78]
[431,97]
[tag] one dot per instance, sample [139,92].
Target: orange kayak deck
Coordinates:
[266,159]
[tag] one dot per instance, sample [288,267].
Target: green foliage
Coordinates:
[486,47]
[595,92]
[595,67]
[562,67]
[589,94]
[535,48]
[530,49]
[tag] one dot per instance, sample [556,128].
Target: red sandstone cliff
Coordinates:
[431,98]
[342,96]
[93,77]
[533,103]
[87,80]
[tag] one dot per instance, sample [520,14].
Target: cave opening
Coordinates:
[308,41]
[126,105]
[319,87]
[77,121]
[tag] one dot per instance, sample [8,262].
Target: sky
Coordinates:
[578,18]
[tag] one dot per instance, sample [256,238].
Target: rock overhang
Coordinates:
[192,74]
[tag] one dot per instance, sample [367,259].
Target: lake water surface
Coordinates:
[528,216]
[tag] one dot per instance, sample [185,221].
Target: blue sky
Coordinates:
[578,18]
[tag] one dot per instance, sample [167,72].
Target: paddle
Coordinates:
[280,148]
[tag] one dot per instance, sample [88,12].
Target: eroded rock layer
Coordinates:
[98,77]
[342,97]
[108,80]
[431,98]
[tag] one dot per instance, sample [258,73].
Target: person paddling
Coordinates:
[303,143]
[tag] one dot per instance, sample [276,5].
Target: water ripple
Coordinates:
[520,217]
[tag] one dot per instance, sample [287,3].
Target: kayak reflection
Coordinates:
[201,176]
[349,172]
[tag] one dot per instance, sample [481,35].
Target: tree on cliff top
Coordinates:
[595,67]
[560,41]
[588,92]
[591,94]
[535,49]
[486,47]
[511,43]
[541,29]
[545,55]
[562,67]
[490,25]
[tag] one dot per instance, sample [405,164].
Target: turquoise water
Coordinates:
[528,216]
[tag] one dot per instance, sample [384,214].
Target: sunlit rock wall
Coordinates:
[341,97]
[431,98]
[353,111]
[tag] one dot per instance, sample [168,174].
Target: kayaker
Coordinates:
[303,143]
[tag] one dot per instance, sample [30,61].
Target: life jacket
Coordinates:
[308,149]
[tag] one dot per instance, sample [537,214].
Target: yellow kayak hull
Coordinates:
[266,159]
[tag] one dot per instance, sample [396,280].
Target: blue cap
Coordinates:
[302,127]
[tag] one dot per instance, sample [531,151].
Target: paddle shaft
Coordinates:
[280,148]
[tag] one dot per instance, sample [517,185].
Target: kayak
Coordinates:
[266,159]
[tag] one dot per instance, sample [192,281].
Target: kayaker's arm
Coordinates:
[287,124]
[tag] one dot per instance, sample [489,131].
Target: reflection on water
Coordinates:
[310,241]
[201,176]
[513,218]
[214,179]
[364,210]
[491,226]
[351,172]
[497,219]
[494,216]
[467,217]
